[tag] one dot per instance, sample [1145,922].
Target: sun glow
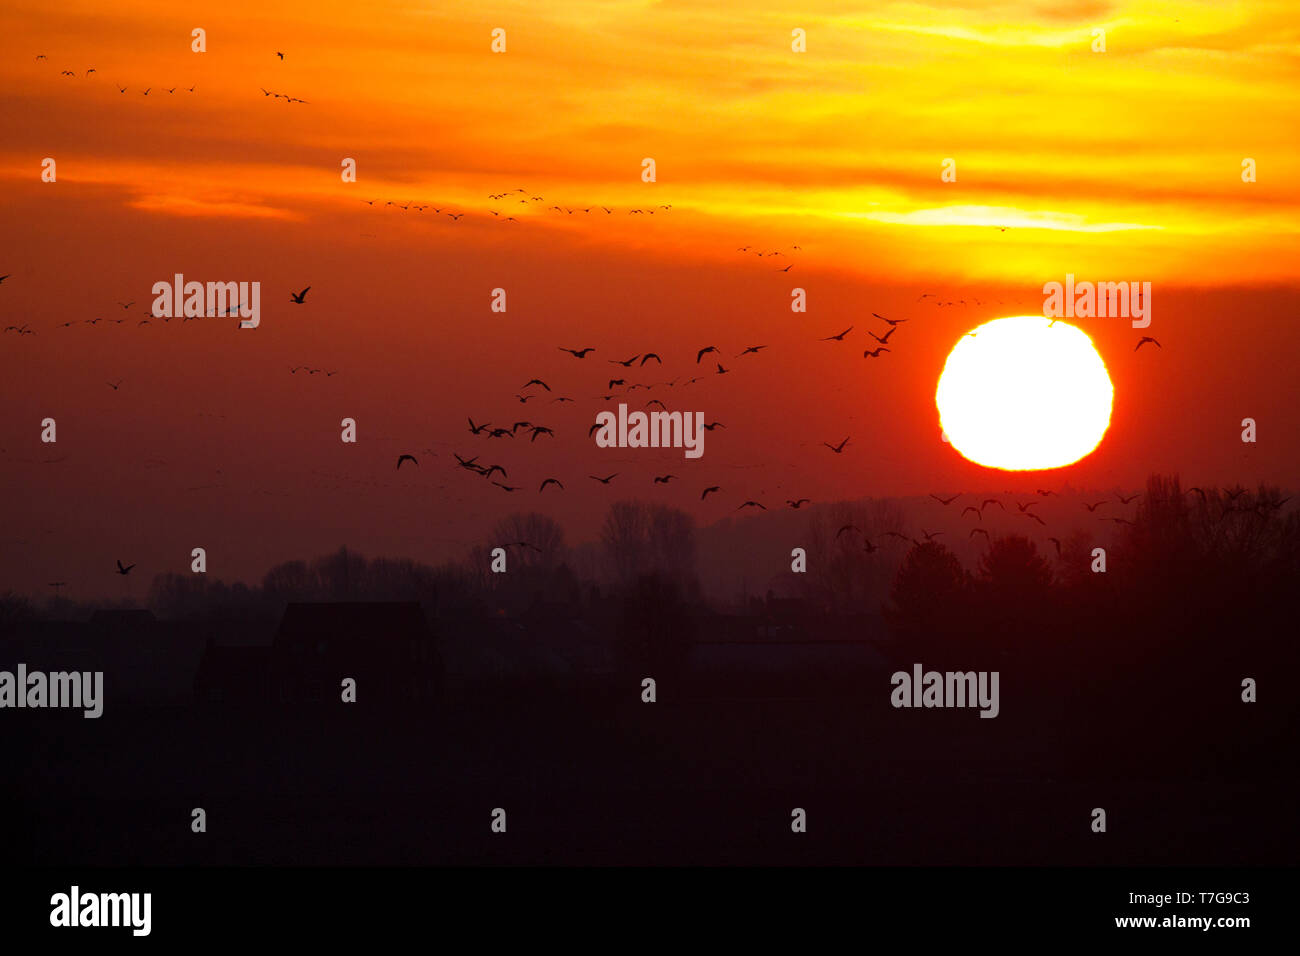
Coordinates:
[1024,393]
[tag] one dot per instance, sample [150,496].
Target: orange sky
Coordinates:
[1123,165]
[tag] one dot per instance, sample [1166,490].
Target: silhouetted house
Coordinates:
[388,648]
[234,674]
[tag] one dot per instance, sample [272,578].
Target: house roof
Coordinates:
[351,620]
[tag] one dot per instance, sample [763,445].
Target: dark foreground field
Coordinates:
[606,779]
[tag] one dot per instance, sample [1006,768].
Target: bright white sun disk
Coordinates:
[1024,393]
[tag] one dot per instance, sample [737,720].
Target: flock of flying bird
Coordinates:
[538,389]
[297,298]
[534,431]
[166,89]
[514,195]
[1023,509]
[120,88]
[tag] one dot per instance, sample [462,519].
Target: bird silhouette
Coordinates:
[945,501]
[577,353]
[721,370]
[1057,542]
[978,512]
[279,54]
[1145,339]
[537,381]
[847,527]
[410,458]
[604,481]
[550,481]
[885,339]
[755,349]
[124,570]
[541,430]
[1094,507]
[477,429]
[625,364]
[751,504]
[890,321]
[840,337]
[1030,514]
[991,501]
[797,504]
[838,449]
[874,353]
[299,296]
[664,479]
[114,385]
[506,487]
[709,490]
[929,535]
[1124,501]
[709,426]
[703,352]
[1026,506]
[651,355]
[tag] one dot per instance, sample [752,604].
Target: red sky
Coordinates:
[1116,166]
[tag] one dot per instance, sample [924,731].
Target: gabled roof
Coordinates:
[351,620]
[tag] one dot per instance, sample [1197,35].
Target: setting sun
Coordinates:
[1024,393]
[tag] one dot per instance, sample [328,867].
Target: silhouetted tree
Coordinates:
[656,630]
[540,531]
[640,538]
[1013,589]
[14,610]
[840,563]
[929,601]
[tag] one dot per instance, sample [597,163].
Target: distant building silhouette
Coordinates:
[386,647]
